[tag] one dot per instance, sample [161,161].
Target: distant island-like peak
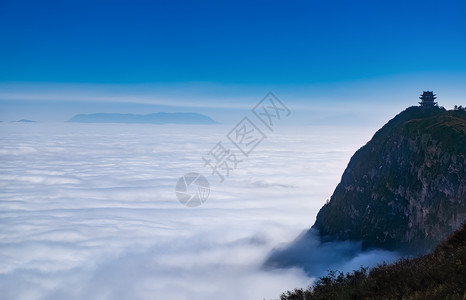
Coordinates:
[25,121]
[155,118]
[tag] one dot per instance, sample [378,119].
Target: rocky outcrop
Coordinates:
[406,188]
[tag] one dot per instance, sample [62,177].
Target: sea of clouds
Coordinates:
[88,211]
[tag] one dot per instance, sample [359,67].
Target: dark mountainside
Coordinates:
[406,188]
[155,118]
[438,275]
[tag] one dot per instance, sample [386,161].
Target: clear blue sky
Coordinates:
[254,44]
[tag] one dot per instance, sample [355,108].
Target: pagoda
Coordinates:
[428,99]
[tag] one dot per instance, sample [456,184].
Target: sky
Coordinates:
[59,58]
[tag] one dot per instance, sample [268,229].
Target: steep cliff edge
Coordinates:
[406,188]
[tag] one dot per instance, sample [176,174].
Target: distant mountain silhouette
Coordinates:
[25,121]
[155,118]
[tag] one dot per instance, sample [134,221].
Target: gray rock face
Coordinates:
[406,188]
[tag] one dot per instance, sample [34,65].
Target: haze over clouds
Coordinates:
[88,211]
[364,101]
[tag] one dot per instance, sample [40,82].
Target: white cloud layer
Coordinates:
[88,211]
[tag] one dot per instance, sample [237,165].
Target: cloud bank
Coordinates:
[88,211]
[316,258]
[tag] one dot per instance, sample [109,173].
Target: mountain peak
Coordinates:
[406,188]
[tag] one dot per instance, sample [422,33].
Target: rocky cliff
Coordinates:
[406,188]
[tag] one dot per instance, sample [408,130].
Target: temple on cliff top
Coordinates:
[428,99]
